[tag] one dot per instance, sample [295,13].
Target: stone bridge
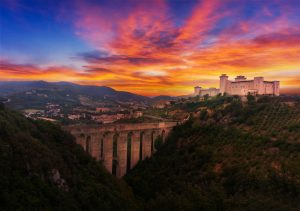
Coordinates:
[120,146]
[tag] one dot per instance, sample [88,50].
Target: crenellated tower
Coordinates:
[223,83]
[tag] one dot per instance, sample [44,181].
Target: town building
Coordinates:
[161,104]
[103,109]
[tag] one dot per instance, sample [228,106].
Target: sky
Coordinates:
[150,47]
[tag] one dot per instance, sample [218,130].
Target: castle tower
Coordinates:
[197,90]
[259,85]
[276,88]
[223,83]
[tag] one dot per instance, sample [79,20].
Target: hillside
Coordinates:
[164,97]
[218,160]
[43,169]
[230,155]
[36,94]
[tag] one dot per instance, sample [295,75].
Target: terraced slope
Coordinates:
[278,119]
[232,155]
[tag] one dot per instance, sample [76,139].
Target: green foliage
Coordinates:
[220,167]
[294,127]
[206,97]
[246,158]
[250,99]
[158,142]
[43,169]
[203,115]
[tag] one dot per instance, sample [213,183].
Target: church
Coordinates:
[241,86]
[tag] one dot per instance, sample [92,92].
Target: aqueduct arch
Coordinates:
[120,146]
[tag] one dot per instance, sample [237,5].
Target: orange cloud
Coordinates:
[144,50]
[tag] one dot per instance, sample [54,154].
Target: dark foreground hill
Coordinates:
[212,164]
[43,169]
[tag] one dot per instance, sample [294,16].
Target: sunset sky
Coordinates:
[150,47]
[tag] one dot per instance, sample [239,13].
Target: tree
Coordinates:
[158,142]
[206,97]
[203,115]
[250,98]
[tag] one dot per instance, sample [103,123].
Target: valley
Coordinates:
[150,105]
[69,103]
[226,153]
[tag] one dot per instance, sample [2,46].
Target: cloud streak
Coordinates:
[140,46]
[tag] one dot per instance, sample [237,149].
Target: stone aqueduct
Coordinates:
[120,146]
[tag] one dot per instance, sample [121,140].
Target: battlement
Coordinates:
[241,86]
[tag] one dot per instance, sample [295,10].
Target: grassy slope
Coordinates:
[42,168]
[217,166]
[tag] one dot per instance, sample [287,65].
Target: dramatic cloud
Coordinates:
[150,48]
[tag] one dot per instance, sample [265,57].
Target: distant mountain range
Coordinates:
[19,92]
[13,87]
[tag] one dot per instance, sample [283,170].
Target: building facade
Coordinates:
[241,86]
[202,92]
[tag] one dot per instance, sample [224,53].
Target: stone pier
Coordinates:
[147,140]
[108,151]
[135,148]
[122,154]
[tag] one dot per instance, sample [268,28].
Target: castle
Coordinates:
[210,92]
[241,86]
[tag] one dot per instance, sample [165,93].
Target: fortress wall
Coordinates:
[210,92]
[239,88]
[269,88]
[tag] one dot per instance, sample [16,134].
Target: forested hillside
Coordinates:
[230,155]
[43,169]
[219,160]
